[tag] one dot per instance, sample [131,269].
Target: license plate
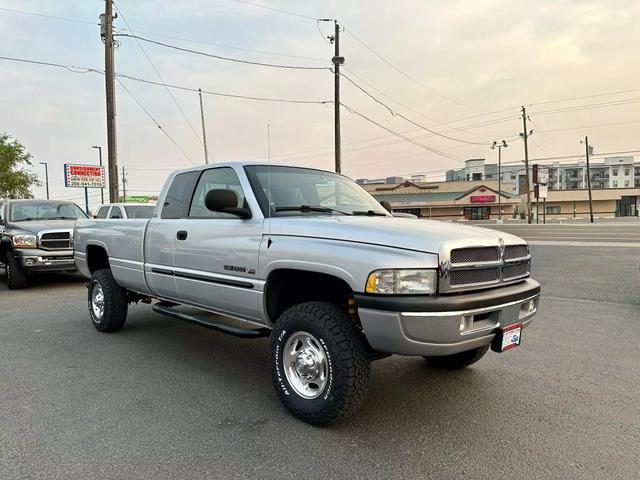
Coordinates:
[507,338]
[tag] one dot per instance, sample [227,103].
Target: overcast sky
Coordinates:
[459,60]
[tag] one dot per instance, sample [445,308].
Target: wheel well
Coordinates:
[288,287]
[97,258]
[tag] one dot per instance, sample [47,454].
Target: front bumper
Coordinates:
[446,324]
[37,260]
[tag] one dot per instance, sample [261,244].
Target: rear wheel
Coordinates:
[16,275]
[319,362]
[458,360]
[108,303]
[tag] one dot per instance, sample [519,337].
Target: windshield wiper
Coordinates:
[60,218]
[370,213]
[308,208]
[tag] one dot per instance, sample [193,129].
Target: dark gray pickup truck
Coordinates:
[36,236]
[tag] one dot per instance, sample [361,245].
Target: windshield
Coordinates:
[304,191]
[44,210]
[140,211]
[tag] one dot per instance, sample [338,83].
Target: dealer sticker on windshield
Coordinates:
[507,338]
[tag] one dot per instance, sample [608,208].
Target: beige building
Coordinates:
[475,200]
[607,202]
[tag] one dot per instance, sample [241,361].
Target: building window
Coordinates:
[626,183]
[477,176]
[513,176]
[615,184]
[552,210]
[615,172]
[626,172]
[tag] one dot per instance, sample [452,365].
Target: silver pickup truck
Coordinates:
[310,259]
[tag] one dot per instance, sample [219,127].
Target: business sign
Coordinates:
[483,198]
[84,176]
[541,191]
[541,174]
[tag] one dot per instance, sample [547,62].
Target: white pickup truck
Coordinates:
[310,259]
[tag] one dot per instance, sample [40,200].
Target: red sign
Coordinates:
[87,176]
[483,198]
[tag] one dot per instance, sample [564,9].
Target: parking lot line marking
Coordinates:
[583,243]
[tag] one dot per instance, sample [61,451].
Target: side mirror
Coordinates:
[386,205]
[225,201]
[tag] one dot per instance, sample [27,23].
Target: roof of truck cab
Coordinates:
[246,163]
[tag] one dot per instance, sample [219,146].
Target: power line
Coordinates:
[184,115]
[408,139]
[154,120]
[220,57]
[75,69]
[588,106]
[570,99]
[54,17]
[406,75]
[231,47]
[285,12]
[396,114]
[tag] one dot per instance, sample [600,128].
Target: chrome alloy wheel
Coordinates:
[305,365]
[97,301]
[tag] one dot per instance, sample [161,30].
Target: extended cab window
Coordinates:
[102,213]
[216,178]
[176,203]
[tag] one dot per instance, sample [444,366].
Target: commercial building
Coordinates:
[607,202]
[610,172]
[456,200]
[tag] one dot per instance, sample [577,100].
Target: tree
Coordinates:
[15,179]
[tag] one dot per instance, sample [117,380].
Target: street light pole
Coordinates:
[499,146]
[100,157]
[46,176]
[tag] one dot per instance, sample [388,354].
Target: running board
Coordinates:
[219,327]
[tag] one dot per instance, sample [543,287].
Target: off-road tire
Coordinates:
[115,302]
[16,275]
[458,360]
[347,356]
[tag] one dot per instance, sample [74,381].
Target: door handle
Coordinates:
[182,235]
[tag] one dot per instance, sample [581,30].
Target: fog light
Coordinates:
[29,262]
[465,323]
[529,307]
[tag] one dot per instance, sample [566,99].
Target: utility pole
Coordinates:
[106,24]
[499,146]
[124,185]
[337,61]
[587,150]
[46,176]
[526,163]
[100,159]
[204,133]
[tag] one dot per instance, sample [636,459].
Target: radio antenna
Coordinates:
[269,184]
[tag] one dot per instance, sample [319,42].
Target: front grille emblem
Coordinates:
[501,247]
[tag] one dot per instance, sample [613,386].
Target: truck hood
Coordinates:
[430,236]
[35,226]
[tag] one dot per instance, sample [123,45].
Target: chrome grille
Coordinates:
[56,240]
[516,251]
[484,267]
[516,270]
[475,255]
[476,276]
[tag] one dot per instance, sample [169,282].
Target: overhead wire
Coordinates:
[220,57]
[273,9]
[155,69]
[397,114]
[54,17]
[75,69]
[157,124]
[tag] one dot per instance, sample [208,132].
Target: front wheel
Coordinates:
[16,275]
[108,303]
[458,360]
[319,362]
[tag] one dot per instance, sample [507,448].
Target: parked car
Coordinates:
[310,259]
[36,236]
[125,210]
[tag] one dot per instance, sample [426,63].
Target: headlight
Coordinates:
[403,282]
[24,241]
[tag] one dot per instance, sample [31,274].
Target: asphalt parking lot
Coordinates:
[164,399]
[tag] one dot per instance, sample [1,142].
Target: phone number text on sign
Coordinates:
[87,176]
